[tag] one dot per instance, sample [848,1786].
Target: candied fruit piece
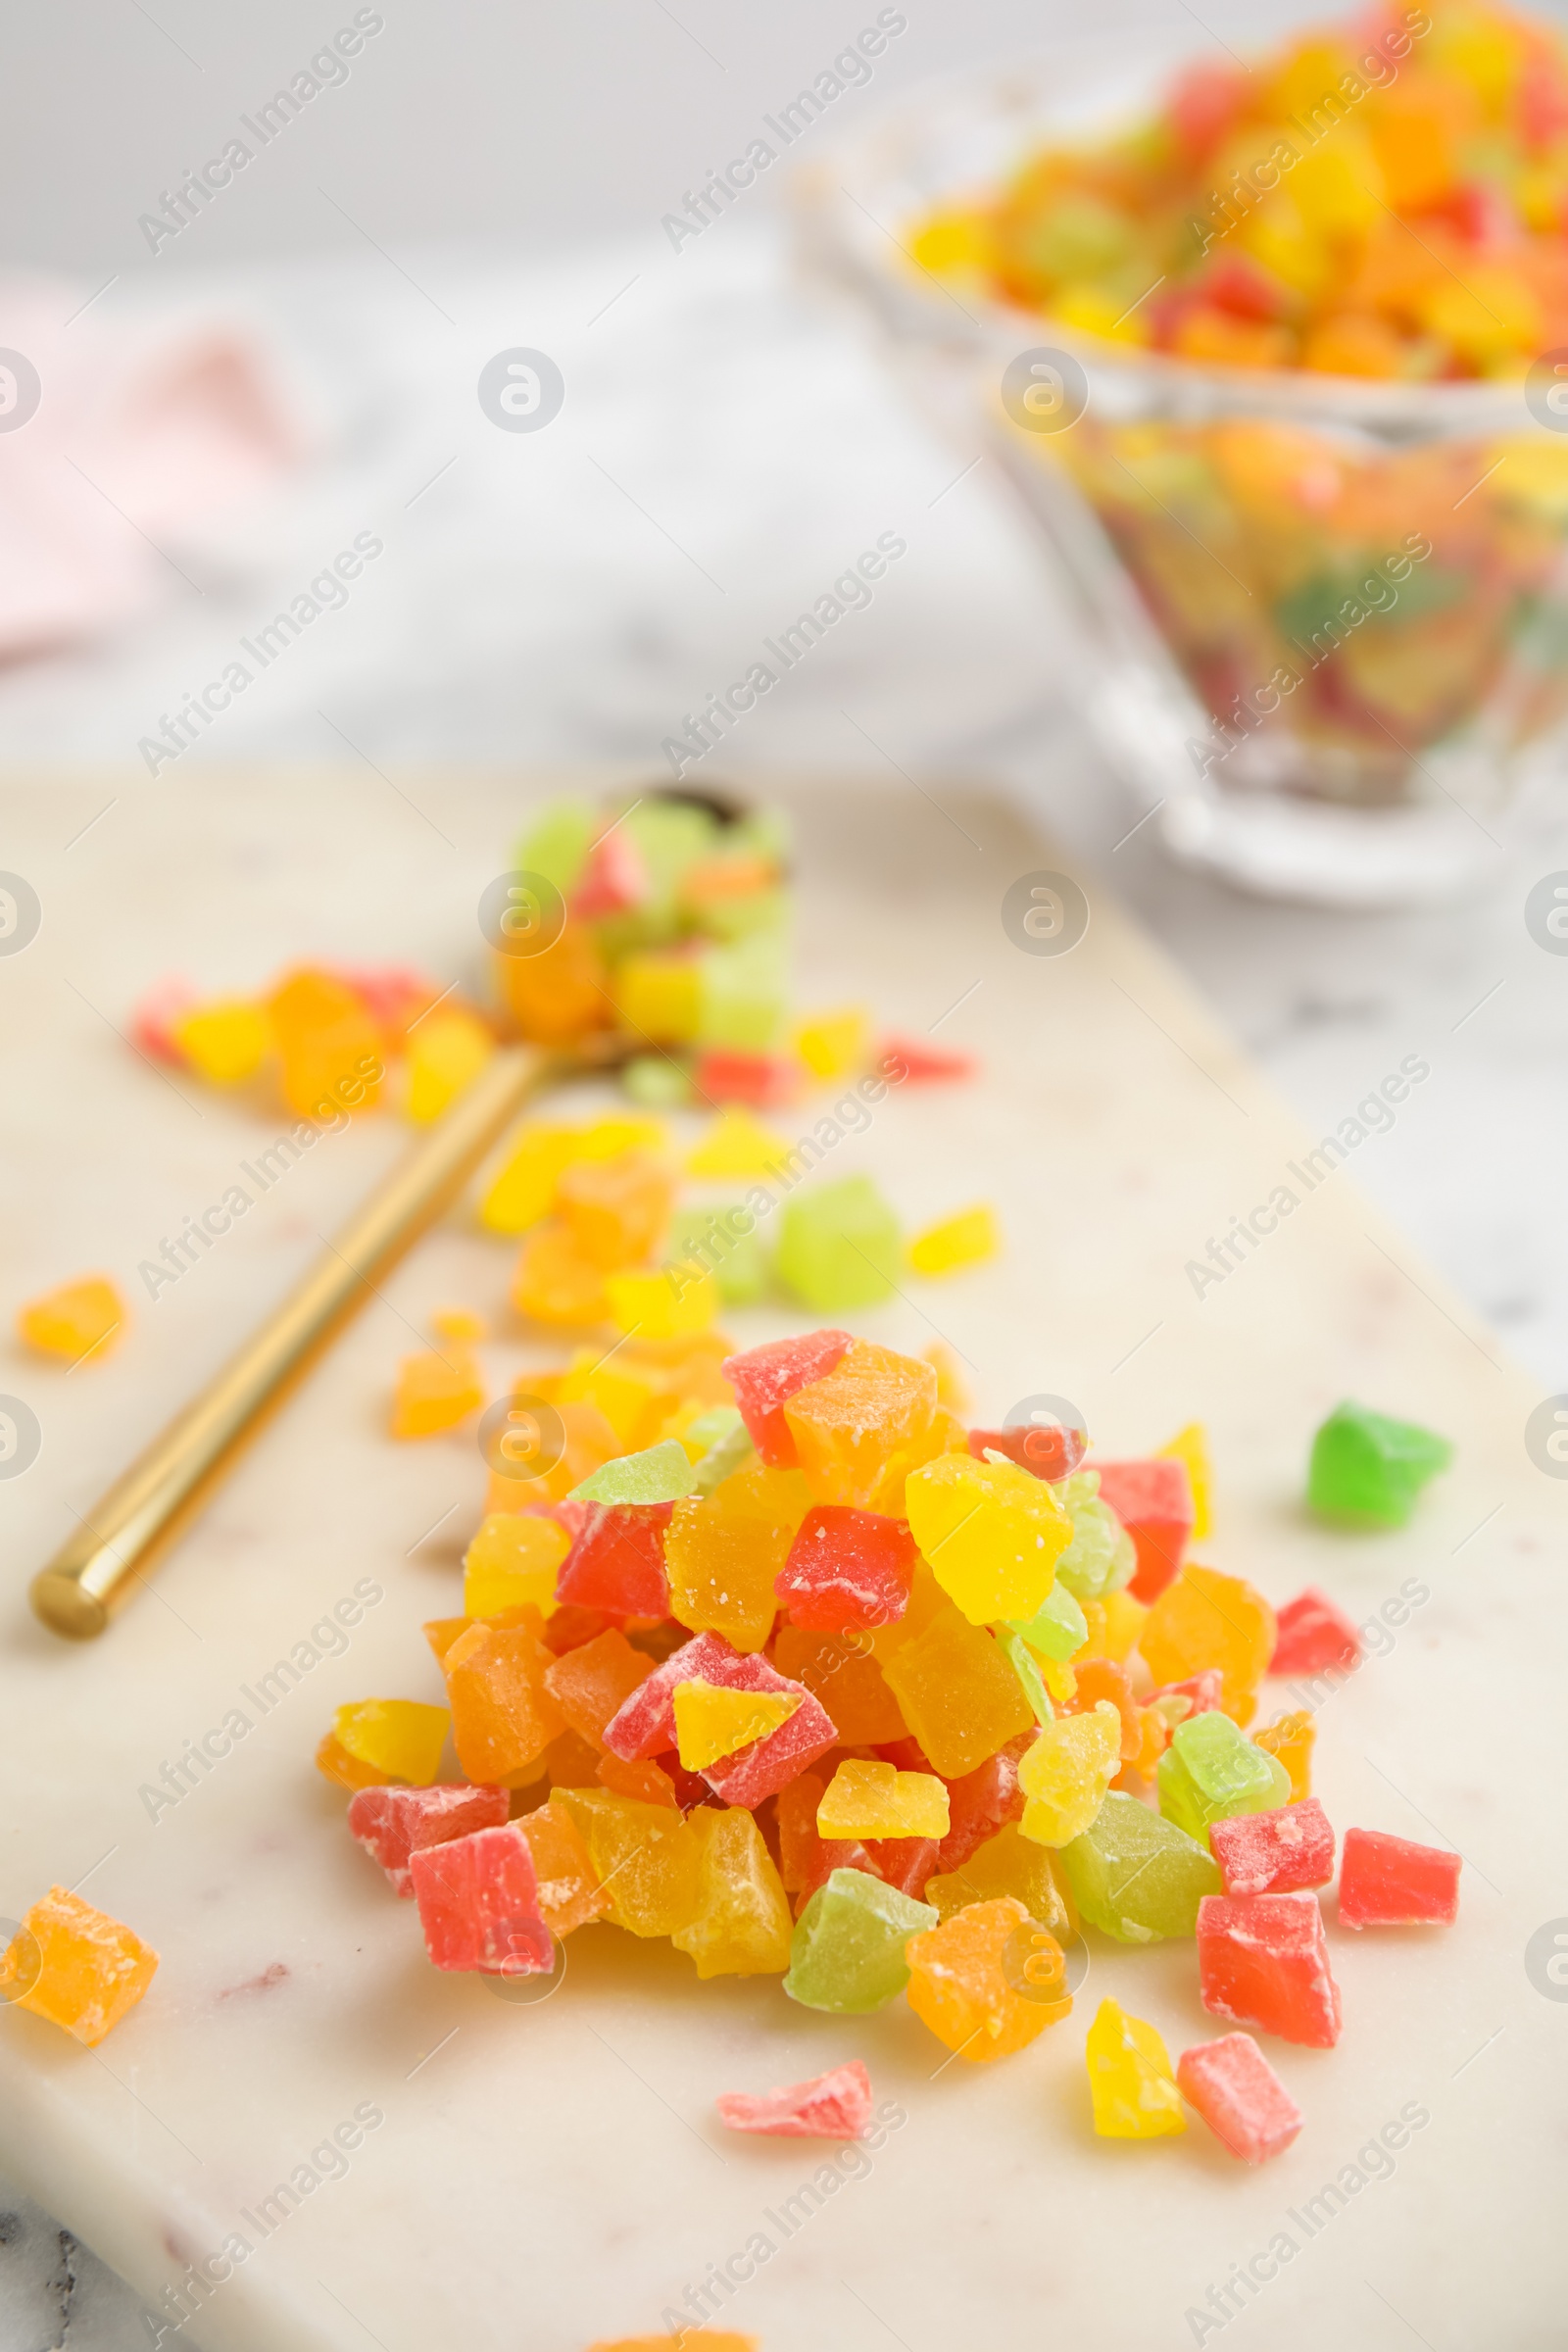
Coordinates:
[646,1724]
[1211,1771]
[1291,1737]
[1367,1466]
[662,1302]
[502,1716]
[712,1722]
[1101,1556]
[1010,1863]
[391,1823]
[1263,1960]
[980,1801]
[724,1551]
[73,1964]
[75,1320]
[1191,1445]
[839,1245]
[446,1054]
[1313,1636]
[836,2105]
[765,1378]
[593,1682]
[224,1041]
[840,1670]
[462,1325]
[847,1568]
[1240,2096]
[859,1429]
[617,1562]
[1275,1853]
[1066,1773]
[1049,1448]
[1130,2081]
[910,1061]
[560,991]
[957,1691]
[658,997]
[740,1926]
[1153,1500]
[659,1473]
[399,1739]
[478,1904]
[991,1532]
[831,1044]
[1136,1876]
[806,1861]
[847,1951]
[435,1391]
[1391,1882]
[523,1187]
[988,1980]
[570,1892]
[646,1857]
[736,1145]
[867,1799]
[1206,1619]
[329,1044]
[1099,1678]
[1058,1628]
[965,1239]
[616,1209]
[555,1283]
[512,1561]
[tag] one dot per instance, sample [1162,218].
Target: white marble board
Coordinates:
[549,2174]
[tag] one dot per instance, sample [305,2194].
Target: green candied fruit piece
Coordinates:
[1367,1466]
[1079,236]
[1058,1628]
[727,1441]
[1100,1558]
[847,1951]
[557,842]
[661,1473]
[1137,1876]
[743,995]
[1212,1770]
[739,1260]
[658,1081]
[669,836]
[840,1247]
[1021,1658]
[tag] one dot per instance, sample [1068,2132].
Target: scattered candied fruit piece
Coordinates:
[1153,1500]
[1208,1619]
[512,1561]
[988,1980]
[1065,1774]
[1275,1853]
[991,1532]
[966,1239]
[836,2105]
[1130,2080]
[712,1722]
[848,1951]
[736,1145]
[741,1924]
[446,1050]
[73,1964]
[1211,1771]
[1313,1636]
[76,1319]
[1392,1883]
[1240,2096]
[226,1042]
[502,1716]
[1370,1468]
[392,1822]
[765,1378]
[478,1902]
[398,1738]
[1291,1737]
[839,1245]
[1263,1960]
[435,1391]
[847,1568]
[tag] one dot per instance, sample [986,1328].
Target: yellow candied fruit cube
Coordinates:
[952,244]
[662,1302]
[1289,1739]
[1065,1775]
[712,1722]
[736,1145]
[73,1964]
[1130,2080]
[831,1044]
[633,1398]
[964,1240]
[434,1392]
[954,1689]
[1191,1445]
[660,997]
[400,1738]
[75,1320]
[866,1799]
[446,1050]
[867,1423]
[607,1139]
[513,1559]
[741,1924]
[1123,1623]
[464,1326]
[524,1188]
[723,1553]
[1090,308]
[991,1532]
[227,1041]
[1489,318]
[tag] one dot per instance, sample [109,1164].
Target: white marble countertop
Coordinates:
[729,444]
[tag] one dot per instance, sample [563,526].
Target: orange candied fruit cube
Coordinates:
[1289,1737]
[555,1282]
[860,1429]
[75,1320]
[502,1716]
[435,1391]
[616,1209]
[329,1044]
[570,1892]
[560,993]
[76,1966]
[1210,1619]
[840,1670]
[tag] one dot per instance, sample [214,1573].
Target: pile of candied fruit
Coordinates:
[1386,198]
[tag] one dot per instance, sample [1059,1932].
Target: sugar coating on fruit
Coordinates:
[75,1964]
[1393,1883]
[392,1822]
[1131,2085]
[836,2105]
[478,1899]
[1212,1770]
[869,1798]
[988,1981]
[848,1949]
[991,1532]
[1275,1853]
[712,1722]
[1263,1960]
[765,1378]
[1066,1773]
[1240,2098]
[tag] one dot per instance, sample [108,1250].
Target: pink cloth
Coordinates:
[139,433]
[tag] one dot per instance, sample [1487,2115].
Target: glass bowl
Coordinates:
[1327,618]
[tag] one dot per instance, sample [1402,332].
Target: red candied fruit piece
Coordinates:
[807,1860]
[979,1802]
[645,1726]
[762,1081]
[1263,1960]
[1240,2096]
[1051,1453]
[613,880]
[847,1569]
[153,1020]
[1102,1678]
[769,1765]
[1275,1854]
[836,2105]
[1153,1500]
[391,1824]
[1391,1882]
[909,1061]
[1205,1688]
[617,1562]
[903,1862]
[1313,1634]
[478,1904]
[765,1379]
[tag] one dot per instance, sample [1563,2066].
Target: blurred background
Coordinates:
[246,384]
